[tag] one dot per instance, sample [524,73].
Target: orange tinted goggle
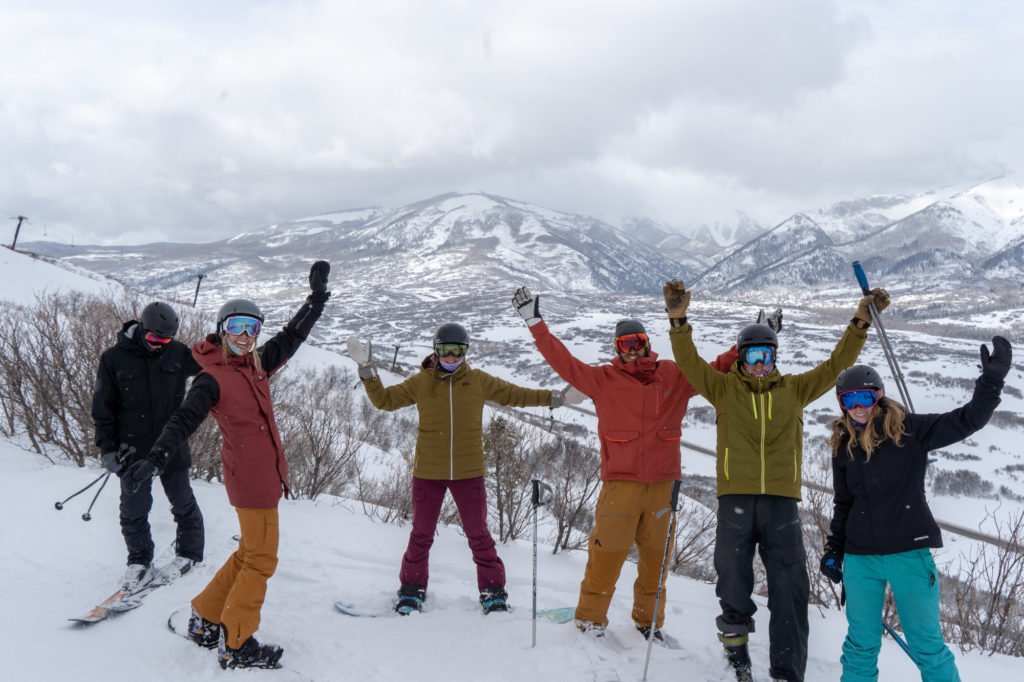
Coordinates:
[631,342]
[156,340]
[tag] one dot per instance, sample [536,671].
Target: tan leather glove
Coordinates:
[881,300]
[677,299]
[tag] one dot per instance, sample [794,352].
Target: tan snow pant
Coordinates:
[626,515]
[235,595]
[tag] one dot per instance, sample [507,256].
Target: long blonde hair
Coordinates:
[893,428]
[254,353]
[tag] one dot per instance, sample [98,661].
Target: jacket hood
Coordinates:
[641,368]
[755,384]
[130,339]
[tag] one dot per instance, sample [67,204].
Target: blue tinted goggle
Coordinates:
[243,324]
[755,354]
[864,397]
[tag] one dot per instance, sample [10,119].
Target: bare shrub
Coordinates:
[962,482]
[573,470]
[693,554]
[512,456]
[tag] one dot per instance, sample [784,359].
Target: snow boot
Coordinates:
[203,632]
[659,637]
[494,599]
[590,629]
[179,566]
[251,654]
[410,599]
[136,576]
[739,657]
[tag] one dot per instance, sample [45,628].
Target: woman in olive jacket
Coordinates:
[449,396]
[881,522]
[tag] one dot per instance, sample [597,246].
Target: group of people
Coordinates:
[881,531]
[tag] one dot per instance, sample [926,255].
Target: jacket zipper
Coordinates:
[764,426]
[451,433]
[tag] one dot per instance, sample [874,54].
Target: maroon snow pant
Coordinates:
[470,497]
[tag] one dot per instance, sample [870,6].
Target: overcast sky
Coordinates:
[136,121]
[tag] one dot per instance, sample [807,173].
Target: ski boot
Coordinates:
[494,599]
[410,599]
[739,657]
[203,632]
[136,576]
[659,637]
[251,654]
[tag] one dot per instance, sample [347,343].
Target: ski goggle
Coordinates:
[864,397]
[631,342]
[755,354]
[443,350]
[243,324]
[156,340]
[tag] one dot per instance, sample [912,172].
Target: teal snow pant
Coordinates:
[915,585]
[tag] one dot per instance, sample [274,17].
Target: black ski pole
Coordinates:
[60,505]
[883,337]
[661,575]
[88,512]
[542,495]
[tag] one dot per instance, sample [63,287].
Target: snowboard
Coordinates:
[356,611]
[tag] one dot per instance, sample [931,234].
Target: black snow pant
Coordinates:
[135,518]
[772,524]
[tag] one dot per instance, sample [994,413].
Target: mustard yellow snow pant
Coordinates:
[235,595]
[626,515]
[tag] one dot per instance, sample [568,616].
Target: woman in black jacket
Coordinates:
[881,522]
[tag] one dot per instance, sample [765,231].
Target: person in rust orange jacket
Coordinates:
[640,402]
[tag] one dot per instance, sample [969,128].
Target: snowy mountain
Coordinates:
[959,240]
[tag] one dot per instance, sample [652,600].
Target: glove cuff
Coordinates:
[367,372]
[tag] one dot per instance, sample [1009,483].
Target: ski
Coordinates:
[125,600]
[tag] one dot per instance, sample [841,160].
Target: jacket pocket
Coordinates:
[622,448]
[669,433]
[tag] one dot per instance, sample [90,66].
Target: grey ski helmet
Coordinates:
[858,377]
[630,326]
[159,318]
[451,333]
[756,335]
[237,306]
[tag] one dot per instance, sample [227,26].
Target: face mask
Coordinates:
[233,348]
[450,368]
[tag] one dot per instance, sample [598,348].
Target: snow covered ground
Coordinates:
[55,566]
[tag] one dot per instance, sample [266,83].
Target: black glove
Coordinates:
[318,277]
[832,565]
[997,363]
[113,461]
[137,473]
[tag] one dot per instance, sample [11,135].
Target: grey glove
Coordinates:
[363,355]
[114,460]
[774,321]
[527,305]
[567,396]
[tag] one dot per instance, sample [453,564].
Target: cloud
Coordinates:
[194,121]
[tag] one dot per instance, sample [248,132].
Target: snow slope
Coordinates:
[54,565]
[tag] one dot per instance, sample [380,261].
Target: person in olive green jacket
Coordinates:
[449,396]
[759,413]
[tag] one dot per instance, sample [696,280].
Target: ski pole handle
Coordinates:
[862,279]
[542,493]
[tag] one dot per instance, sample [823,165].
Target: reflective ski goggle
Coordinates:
[243,324]
[156,340]
[631,342]
[864,397]
[755,354]
[443,350]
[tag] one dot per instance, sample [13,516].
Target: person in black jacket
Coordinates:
[140,382]
[881,523]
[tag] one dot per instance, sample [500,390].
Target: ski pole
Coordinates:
[105,475]
[540,489]
[883,338]
[899,640]
[88,512]
[664,564]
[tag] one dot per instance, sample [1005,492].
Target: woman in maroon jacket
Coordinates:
[640,403]
[234,387]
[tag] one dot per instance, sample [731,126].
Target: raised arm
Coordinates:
[283,345]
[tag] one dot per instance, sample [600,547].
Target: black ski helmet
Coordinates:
[756,335]
[159,318]
[237,306]
[858,377]
[451,333]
